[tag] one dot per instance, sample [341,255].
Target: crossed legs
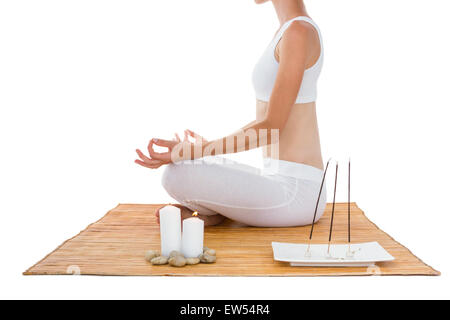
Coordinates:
[232,190]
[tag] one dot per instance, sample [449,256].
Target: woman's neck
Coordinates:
[289,9]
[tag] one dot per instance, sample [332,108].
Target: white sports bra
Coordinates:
[266,69]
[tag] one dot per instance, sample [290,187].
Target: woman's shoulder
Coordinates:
[299,29]
[296,35]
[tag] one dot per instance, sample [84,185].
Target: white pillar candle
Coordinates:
[192,239]
[170,229]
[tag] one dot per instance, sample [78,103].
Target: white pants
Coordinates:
[283,194]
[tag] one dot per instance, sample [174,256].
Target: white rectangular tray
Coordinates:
[365,254]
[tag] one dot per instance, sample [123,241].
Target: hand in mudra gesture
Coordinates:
[176,150]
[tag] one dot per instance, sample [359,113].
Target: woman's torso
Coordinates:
[299,140]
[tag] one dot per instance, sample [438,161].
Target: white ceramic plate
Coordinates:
[364,254]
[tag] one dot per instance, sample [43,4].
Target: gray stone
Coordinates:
[159,260]
[177,261]
[175,253]
[206,258]
[192,260]
[149,255]
[210,252]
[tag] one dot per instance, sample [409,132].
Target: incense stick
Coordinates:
[332,210]
[348,205]
[317,204]
[350,254]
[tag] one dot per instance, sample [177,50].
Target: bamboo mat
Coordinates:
[116,244]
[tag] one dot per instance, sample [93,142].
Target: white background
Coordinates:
[84,83]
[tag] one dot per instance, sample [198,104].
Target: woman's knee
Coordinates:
[174,178]
[168,178]
[179,180]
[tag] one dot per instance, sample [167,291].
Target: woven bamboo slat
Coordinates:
[115,246]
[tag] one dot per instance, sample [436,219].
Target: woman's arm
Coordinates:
[292,63]
[292,56]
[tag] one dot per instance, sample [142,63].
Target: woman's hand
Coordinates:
[157,159]
[198,138]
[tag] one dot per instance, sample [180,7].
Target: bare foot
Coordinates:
[187,213]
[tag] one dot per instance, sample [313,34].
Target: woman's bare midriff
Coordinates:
[299,140]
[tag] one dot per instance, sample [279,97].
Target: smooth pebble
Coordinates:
[175,253]
[159,260]
[206,258]
[192,260]
[149,255]
[210,252]
[177,261]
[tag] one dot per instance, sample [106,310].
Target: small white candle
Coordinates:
[170,229]
[192,239]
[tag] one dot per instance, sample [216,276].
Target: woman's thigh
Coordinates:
[224,187]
